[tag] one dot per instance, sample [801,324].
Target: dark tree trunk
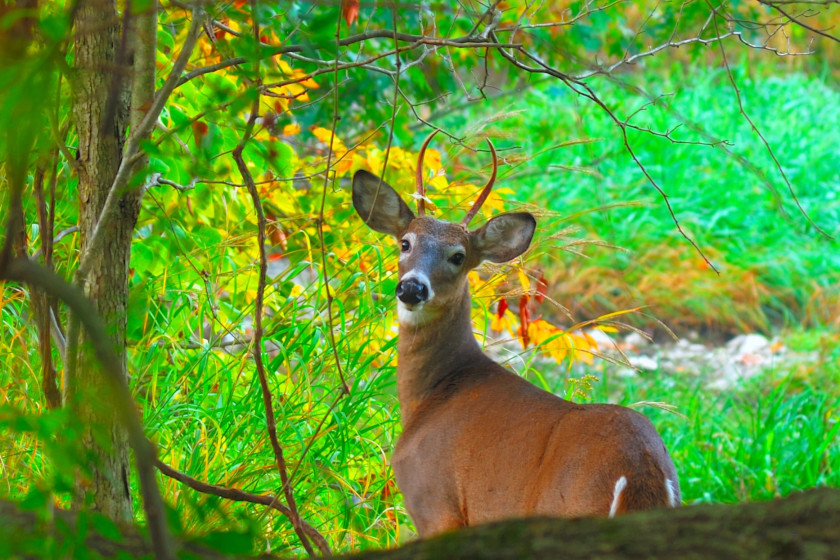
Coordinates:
[102,96]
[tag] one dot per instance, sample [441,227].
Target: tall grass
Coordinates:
[195,281]
[760,438]
[775,269]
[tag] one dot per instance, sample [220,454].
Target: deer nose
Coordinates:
[412,292]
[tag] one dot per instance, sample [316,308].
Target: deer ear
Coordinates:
[379,206]
[504,237]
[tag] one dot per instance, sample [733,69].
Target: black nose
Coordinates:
[412,292]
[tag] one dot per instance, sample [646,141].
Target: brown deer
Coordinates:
[480,443]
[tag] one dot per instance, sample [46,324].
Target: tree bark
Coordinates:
[102,97]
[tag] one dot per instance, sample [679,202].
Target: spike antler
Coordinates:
[421,191]
[485,192]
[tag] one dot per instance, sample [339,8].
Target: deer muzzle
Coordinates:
[412,291]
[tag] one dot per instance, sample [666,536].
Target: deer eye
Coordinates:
[457,259]
[405,245]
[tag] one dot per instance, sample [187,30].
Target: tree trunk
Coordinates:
[102,94]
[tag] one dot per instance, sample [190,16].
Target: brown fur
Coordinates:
[480,443]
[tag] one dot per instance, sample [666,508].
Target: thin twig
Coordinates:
[582,88]
[271,424]
[236,495]
[767,146]
[798,22]
[325,274]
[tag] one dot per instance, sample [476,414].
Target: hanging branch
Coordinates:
[755,129]
[330,320]
[271,424]
[23,270]
[237,495]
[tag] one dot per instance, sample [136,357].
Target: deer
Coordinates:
[480,443]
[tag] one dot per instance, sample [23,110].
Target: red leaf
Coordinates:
[542,288]
[200,130]
[350,11]
[500,310]
[524,321]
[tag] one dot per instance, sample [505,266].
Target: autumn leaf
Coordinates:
[200,130]
[542,288]
[350,11]
[524,320]
[325,136]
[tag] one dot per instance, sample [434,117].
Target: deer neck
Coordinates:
[430,353]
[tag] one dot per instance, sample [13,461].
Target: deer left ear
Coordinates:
[379,206]
[504,237]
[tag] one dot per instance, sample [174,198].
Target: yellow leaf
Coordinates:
[432,160]
[291,129]
[309,83]
[507,322]
[524,280]
[325,135]
[284,66]
[439,182]
[344,163]
[592,342]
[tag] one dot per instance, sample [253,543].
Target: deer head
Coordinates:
[436,255]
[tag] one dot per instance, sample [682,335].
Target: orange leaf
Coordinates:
[542,288]
[350,11]
[200,130]
[291,129]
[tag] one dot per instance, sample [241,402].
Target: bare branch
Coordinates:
[767,146]
[271,424]
[798,22]
[583,89]
[237,495]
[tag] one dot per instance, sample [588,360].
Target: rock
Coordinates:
[636,340]
[643,363]
[748,344]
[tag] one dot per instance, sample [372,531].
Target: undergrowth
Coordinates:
[774,268]
[193,376]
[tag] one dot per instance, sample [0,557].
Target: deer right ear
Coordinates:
[379,206]
[504,237]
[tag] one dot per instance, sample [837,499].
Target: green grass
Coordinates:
[761,438]
[203,406]
[775,269]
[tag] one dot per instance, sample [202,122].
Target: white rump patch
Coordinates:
[672,493]
[620,485]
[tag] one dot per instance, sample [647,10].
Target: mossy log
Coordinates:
[803,525]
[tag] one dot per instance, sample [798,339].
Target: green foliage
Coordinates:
[759,439]
[774,268]
[328,317]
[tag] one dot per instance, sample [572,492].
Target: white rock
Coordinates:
[626,373]
[643,362]
[603,339]
[636,340]
[748,344]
